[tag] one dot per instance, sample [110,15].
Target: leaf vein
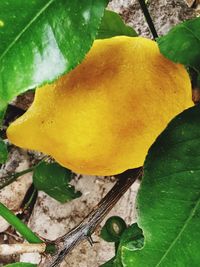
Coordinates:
[26,28]
[174,173]
[187,28]
[180,233]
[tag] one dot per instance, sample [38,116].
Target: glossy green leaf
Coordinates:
[182,43]
[169,198]
[41,40]
[54,181]
[3,152]
[21,264]
[113,25]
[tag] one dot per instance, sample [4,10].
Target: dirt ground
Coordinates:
[51,219]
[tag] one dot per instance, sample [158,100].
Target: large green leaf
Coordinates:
[113,25]
[169,198]
[54,180]
[40,40]
[182,43]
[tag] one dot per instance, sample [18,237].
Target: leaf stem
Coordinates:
[22,228]
[148,18]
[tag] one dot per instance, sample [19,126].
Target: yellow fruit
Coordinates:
[102,117]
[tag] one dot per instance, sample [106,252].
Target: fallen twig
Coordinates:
[84,230]
[10,249]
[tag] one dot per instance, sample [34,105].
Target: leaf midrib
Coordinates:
[187,28]
[172,145]
[180,233]
[26,28]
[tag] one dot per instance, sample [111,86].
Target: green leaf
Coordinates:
[41,40]
[109,263]
[182,43]
[3,152]
[113,229]
[2,113]
[131,238]
[169,197]
[21,264]
[113,25]
[54,181]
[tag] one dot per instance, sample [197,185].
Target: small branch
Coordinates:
[84,230]
[30,198]
[6,180]
[6,250]
[148,18]
[14,235]
[28,204]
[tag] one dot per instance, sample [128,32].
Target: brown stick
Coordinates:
[84,230]
[10,249]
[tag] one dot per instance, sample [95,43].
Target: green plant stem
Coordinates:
[6,180]
[19,225]
[148,18]
[12,219]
